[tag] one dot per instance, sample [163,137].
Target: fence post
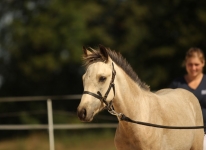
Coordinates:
[50,121]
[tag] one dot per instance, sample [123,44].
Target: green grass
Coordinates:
[64,140]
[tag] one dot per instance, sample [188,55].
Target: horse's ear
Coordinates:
[85,51]
[103,51]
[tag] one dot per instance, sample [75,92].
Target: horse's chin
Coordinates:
[88,119]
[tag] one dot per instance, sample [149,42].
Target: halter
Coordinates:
[103,99]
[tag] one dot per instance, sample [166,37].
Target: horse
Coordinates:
[117,86]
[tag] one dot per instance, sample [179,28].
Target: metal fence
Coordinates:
[50,126]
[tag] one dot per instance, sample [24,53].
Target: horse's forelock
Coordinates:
[94,56]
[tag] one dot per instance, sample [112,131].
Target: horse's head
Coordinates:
[96,81]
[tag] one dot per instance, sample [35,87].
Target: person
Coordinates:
[194,80]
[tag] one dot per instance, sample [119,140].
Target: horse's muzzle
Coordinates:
[82,114]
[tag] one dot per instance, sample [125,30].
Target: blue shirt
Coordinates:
[199,92]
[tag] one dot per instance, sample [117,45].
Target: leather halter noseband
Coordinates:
[99,96]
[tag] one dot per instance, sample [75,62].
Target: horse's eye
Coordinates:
[102,79]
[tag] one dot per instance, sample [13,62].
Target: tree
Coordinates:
[45,42]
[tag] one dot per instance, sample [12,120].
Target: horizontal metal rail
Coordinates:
[59,126]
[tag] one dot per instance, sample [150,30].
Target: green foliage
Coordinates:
[41,41]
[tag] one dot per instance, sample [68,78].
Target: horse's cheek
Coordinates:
[95,106]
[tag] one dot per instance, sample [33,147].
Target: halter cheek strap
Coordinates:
[99,96]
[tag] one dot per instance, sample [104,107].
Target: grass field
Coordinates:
[68,140]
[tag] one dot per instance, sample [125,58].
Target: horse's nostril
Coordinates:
[82,114]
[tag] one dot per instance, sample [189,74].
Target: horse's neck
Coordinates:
[135,103]
[129,96]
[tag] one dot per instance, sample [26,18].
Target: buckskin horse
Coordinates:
[109,81]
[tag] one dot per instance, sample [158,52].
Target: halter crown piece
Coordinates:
[103,99]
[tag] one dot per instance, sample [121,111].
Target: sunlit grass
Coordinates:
[80,140]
